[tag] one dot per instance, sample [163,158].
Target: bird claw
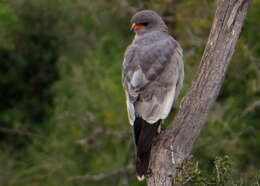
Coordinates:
[159,129]
[148,173]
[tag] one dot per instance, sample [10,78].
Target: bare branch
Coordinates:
[102,133]
[105,175]
[250,108]
[175,144]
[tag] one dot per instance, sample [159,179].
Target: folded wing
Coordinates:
[152,79]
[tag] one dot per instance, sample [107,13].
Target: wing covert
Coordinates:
[142,65]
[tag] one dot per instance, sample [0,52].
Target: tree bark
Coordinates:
[176,142]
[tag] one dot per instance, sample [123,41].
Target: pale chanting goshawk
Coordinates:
[153,73]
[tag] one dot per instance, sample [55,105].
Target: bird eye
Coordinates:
[144,23]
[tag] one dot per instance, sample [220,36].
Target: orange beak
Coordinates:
[136,27]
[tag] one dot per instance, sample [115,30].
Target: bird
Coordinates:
[152,77]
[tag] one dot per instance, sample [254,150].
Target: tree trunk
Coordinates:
[176,142]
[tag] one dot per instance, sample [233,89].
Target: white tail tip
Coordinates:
[140,178]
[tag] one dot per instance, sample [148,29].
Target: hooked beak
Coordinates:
[136,27]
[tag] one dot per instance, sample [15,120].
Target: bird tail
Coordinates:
[144,133]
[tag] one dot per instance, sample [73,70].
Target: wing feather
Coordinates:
[152,78]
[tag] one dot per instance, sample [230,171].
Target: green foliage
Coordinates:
[189,173]
[8,21]
[63,119]
[28,68]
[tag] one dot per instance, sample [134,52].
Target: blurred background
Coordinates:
[63,119]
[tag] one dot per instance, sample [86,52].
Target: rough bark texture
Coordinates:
[175,144]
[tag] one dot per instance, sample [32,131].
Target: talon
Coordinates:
[149,173]
[159,129]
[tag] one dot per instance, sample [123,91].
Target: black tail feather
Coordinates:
[144,133]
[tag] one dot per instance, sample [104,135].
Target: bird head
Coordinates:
[147,21]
